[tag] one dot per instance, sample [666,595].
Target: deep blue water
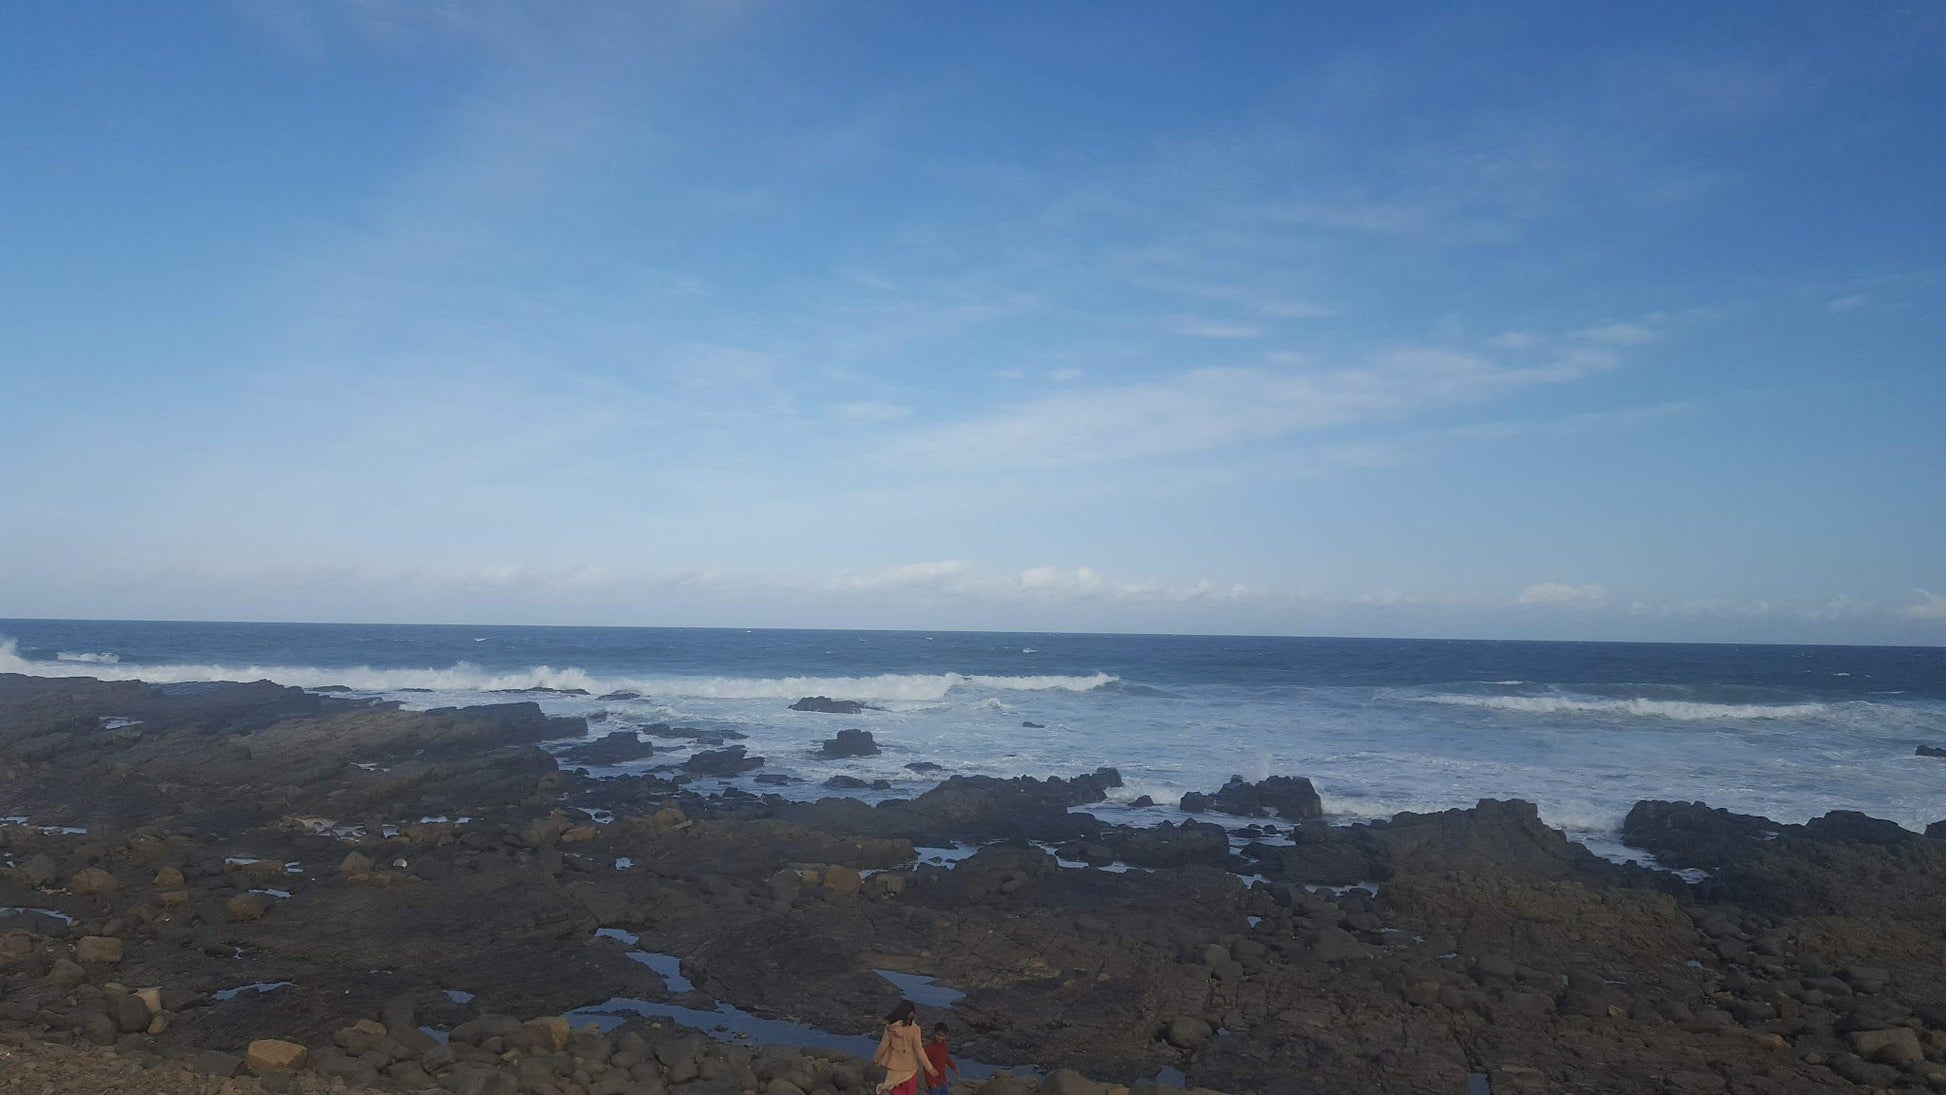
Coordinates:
[1584,729]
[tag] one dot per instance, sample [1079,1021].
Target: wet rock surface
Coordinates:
[850,743]
[279,888]
[617,747]
[1290,797]
[828,706]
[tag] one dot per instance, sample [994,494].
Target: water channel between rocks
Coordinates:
[730,1024]
[727,1023]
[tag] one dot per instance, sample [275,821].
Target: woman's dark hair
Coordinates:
[906,1012]
[939,1028]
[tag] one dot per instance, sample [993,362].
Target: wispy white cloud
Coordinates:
[1929,606]
[1563,595]
[1213,408]
[1195,327]
[1514,340]
[1848,302]
[939,575]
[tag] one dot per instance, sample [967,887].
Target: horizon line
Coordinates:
[979,631]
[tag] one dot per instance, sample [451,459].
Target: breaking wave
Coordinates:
[466,677]
[84,656]
[1678,710]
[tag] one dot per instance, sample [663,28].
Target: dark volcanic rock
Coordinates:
[924,766]
[986,808]
[1691,834]
[240,754]
[827,705]
[1495,837]
[690,733]
[1169,845]
[730,761]
[1852,827]
[618,747]
[1929,751]
[1484,944]
[1289,797]
[968,808]
[850,743]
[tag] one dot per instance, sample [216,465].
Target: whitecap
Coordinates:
[467,677]
[1678,710]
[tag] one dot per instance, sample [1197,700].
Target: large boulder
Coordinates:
[1894,1046]
[1691,834]
[92,882]
[103,949]
[1168,845]
[1187,1032]
[618,747]
[850,743]
[1289,797]
[275,1055]
[1852,827]
[987,808]
[248,906]
[729,761]
[1495,837]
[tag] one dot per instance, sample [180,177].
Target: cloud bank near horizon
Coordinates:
[952,594]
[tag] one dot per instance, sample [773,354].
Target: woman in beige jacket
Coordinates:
[902,1052]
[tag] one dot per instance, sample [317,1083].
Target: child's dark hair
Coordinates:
[939,1028]
[906,1012]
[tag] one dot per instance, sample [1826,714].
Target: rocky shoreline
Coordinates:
[246,886]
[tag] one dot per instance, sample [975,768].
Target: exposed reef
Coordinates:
[250,880]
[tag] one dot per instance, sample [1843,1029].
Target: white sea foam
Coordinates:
[1679,710]
[1583,755]
[87,657]
[466,677]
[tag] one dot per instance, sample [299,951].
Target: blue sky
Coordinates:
[1529,320]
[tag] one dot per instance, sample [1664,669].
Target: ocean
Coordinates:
[1584,730]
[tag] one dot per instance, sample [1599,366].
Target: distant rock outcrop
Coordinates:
[1289,797]
[730,761]
[851,743]
[618,747]
[825,705]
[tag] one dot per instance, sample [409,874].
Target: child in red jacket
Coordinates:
[939,1058]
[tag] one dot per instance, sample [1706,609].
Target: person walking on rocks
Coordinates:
[902,1053]
[941,1058]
